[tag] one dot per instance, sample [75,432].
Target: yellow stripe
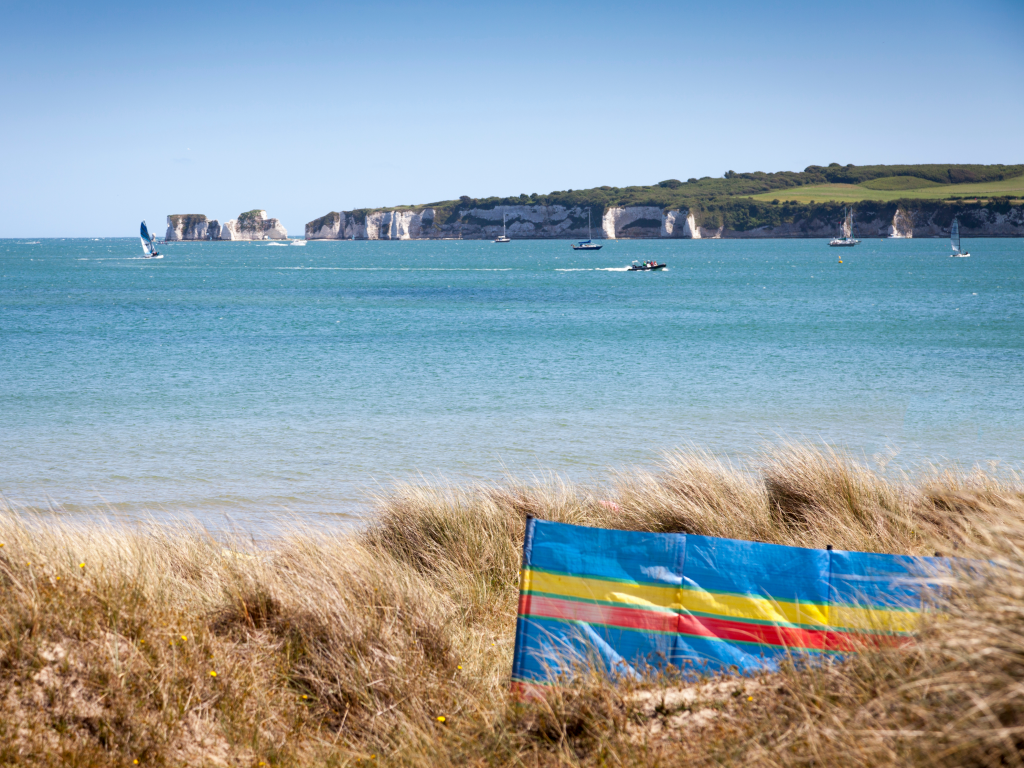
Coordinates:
[727,606]
[874,619]
[640,595]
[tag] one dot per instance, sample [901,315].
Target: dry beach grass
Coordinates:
[392,644]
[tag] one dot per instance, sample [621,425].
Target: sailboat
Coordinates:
[148,243]
[588,244]
[954,240]
[845,237]
[503,238]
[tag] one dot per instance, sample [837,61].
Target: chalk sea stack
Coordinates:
[251,225]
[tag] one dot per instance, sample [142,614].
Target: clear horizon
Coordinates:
[119,113]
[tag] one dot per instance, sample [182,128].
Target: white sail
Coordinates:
[848,224]
[954,236]
[148,241]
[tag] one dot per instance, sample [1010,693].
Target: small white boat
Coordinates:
[954,240]
[504,238]
[845,238]
[588,244]
[148,243]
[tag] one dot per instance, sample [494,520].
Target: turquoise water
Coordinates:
[239,380]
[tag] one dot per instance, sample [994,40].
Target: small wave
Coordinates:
[586,269]
[298,242]
[31,242]
[613,269]
[276,245]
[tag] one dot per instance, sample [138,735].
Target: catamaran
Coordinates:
[588,244]
[503,238]
[148,243]
[845,237]
[954,240]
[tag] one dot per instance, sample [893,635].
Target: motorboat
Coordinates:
[645,266]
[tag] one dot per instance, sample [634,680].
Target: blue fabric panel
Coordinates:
[550,646]
[751,568]
[883,581]
[649,558]
[709,655]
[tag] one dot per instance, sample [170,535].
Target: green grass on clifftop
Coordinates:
[900,182]
[850,193]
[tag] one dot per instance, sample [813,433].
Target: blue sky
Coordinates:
[114,112]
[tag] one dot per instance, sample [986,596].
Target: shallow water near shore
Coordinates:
[240,381]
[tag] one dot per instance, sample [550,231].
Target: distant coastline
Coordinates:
[894,201]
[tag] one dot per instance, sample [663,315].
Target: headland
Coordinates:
[888,200]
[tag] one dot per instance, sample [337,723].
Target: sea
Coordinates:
[247,383]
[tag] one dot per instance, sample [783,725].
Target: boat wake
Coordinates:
[404,269]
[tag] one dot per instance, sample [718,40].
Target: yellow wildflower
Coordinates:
[440,718]
[212,673]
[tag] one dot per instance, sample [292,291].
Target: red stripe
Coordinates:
[616,616]
[701,626]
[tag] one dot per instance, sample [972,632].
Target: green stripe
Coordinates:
[664,585]
[674,634]
[676,611]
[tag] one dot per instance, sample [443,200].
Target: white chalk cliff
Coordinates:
[629,222]
[902,225]
[254,225]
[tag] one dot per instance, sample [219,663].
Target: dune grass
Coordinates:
[392,644]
